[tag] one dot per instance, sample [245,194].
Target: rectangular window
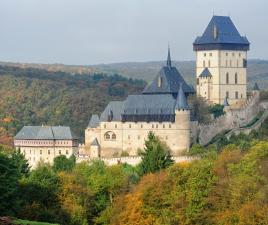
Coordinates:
[227,94]
[197,81]
[236,95]
[59,152]
[245,63]
[48,152]
[208,63]
[67,152]
[129,126]
[204,63]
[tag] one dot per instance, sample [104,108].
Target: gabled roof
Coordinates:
[162,104]
[167,81]
[94,121]
[205,73]
[170,79]
[95,142]
[114,107]
[45,133]
[181,101]
[221,33]
[256,87]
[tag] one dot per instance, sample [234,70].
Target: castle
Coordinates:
[162,107]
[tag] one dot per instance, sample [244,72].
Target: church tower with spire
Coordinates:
[221,63]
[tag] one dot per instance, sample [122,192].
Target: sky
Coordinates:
[86,32]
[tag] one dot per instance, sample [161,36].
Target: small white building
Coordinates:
[44,143]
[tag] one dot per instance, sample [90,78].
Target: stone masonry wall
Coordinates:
[234,118]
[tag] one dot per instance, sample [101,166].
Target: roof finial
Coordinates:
[168,58]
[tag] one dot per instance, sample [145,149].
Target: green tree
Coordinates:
[62,163]
[216,110]
[9,180]
[154,157]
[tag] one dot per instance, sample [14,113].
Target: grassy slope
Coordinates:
[27,222]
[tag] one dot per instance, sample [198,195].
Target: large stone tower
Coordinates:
[221,62]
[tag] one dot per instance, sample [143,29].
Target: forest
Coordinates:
[227,185]
[32,96]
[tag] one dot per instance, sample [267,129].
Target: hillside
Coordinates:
[257,69]
[34,97]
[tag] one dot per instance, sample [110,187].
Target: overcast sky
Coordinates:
[106,31]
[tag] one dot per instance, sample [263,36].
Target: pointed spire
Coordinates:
[181,102]
[226,103]
[256,87]
[168,58]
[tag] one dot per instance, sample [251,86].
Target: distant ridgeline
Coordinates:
[34,96]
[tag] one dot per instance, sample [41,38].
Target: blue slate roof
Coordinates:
[170,80]
[94,121]
[116,108]
[221,33]
[95,142]
[149,105]
[205,73]
[256,87]
[170,83]
[181,102]
[45,133]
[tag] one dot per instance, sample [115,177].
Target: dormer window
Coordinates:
[215,32]
[160,80]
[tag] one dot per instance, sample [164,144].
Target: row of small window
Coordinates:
[141,126]
[42,142]
[227,63]
[235,78]
[233,54]
[48,152]
[227,80]
[236,95]
[138,137]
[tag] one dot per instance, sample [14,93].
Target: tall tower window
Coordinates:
[236,95]
[244,63]
[236,78]
[227,78]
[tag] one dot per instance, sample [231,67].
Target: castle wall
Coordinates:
[131,160]
[233,118]
[116,137]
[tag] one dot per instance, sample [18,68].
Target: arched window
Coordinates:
[227,78]
[107,136]
[208,63]
[204,63]
[236,78]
